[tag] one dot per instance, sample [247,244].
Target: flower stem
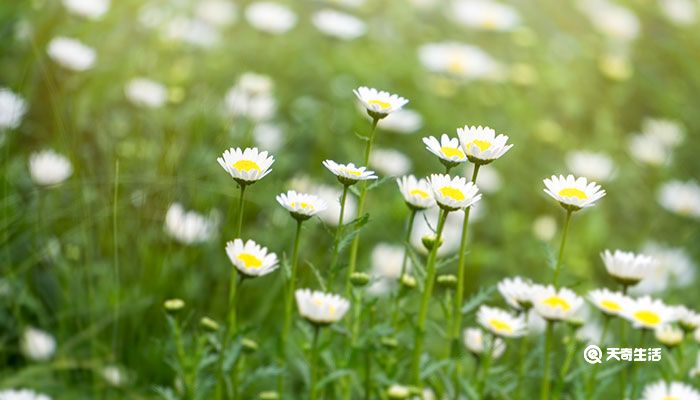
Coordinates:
[521,367]
[314,362]
[397,293]
[336,240]
[591,381]
[239,223]
[182,359]
[623,338]
[288,300]
[485,369]
[427,291]
[557,268]
[544,394]
[459,294]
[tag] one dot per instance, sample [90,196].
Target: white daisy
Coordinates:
[517,292]
[645,312]
[145,92]
[688,319]
[349,174]
[12,109]
[668,335]
[22,394]
[626,267]
[37,345]
[458,60]
[447,149]
[320,308]
[250,258]
[416,192]
[478,343]
[682,198]
[91,9]
[556,304]
[490,180]
[246,166]
[338,24]
[673,391]
[485,15]
[379,104]
[49,168]
[190,227]
[501,322]
[453,193]
[481,144]
[648,149]
[607,301]
[402,121]
[71,54]
[301,206]
[398,392]
[113,375]
[390,162]
[573,193]
[595,166]
[270,17]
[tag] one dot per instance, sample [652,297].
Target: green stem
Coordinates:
[596,367]
[239,223]
[336,241]
[397,293]
[635,368]
[455,346]
[521,366]
[288,302]
[314,362]
[485,369]
[544,394]
[368,361]
[623,338]
[181,356]
[427,291]
[557,268]
[360,209]
[571,350]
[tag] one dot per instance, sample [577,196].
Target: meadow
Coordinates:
[345,199]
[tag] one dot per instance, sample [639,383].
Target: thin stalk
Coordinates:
[182,359]
[239,223]
[336,240]
[544,394]
[314,362]
[427,291]
[606,325]
[288,300]
[360,209]
[635,368]
[623,338]
[571,350]
[522,356]
[557,268]
[459,295]
[368,362]
[397,293]
[115,243]
[485,369]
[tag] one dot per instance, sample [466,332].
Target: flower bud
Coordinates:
[269,395]
[209,324]
[398,392]
[389,342]
[174,305]
[429,241]
[249,345]
[448,280]
[408,281]
[359,279]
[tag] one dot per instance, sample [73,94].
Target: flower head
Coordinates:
[190,227]
[648,313]
[246,166]
[301,206]
[453,193]
[478,343]
[12,109]
[320,308]
[682,198]
[147,93]
[670,391]
[447,149]
[481,144]
[626,267]
[250,258]
[556,304]
[37,345]
[573,193]
[669,335]
[607,301]
[349,174]
[501,322]
[49,168]
[517,292]
[458,60]
[416,192]
[379,104]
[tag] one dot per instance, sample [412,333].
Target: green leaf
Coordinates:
[333,376]
[477,299]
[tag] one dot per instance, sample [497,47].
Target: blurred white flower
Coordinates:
[485,14]
[478,343]
[401,121]
[195,32]
[594,166]
[189,227]
[673,268]
[92,9]
[144,92]
[679,12]
[648,149]
[37,345]
[648,313]
[669,132]
[22,394]
[270,17]
[252,97]
[665,390]
[218,13]
[626,267]
[12,109]
[669,335]
[338,24]
[611,19]
[458,60]
[268,136]
[387,260]
[682,198]
[390,162]
[71,53]
[319,307]
[347,3]
[113,375]
[49,168]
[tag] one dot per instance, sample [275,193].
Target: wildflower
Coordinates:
[270,17]
[219,13]
[338,24]
[481,144]
[12,109]
[71,54]
[500,322]
[268,136]
[682,198]
[246,166]
[607,301]
[301,206]
[49,168]
[379,104]
[556,304]
[320,308]
[662,390]
[250,258]
[402,121]
[453,193]
[517,292]
[668,335]
[113,375]
[251,97]
[398,392]
[387,260]
[648,149]
[189,227]
[447,149]
[416,192]
[147,93]
[349,174]
[626,267]
[544,227]
[573,193]
[645,312]
[478,343]
[612,20]
[37,345]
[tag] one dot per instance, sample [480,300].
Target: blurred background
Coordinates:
[112,115]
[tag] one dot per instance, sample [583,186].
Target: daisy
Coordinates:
[387,261]
[250,258]
[668,335]
[349,174]
[688,319]
[682,198]
[500,322]
[49,168]
[189,227]
[595,166]
[556,304]
[270,17]
[517,292]
[192,31]
[544,227]
[645,312]
[22,394]
[246,166]
[91,9]
[573,193]
[478,343]
[320,308]
[339,25]
[379,104]
[481,144]
[37,345]
[12,109]
[607,301]
[627,268]
[670,391]
[416,192]
[147,93]
[447,149]
[390,162]
[453,193]
[268,136]
[485,15]
[71,54]
[301,206]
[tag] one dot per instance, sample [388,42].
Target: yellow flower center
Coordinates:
[303,205]
[557,302]
[250,261]
[501,326]
[453,193]
[452,152]
[573,192]
[647,317]
[246,165]
[483,145]
[419,193]
[349,171]
[455,65]
[382,104]
[610,305]
[489,22]
[671,398]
